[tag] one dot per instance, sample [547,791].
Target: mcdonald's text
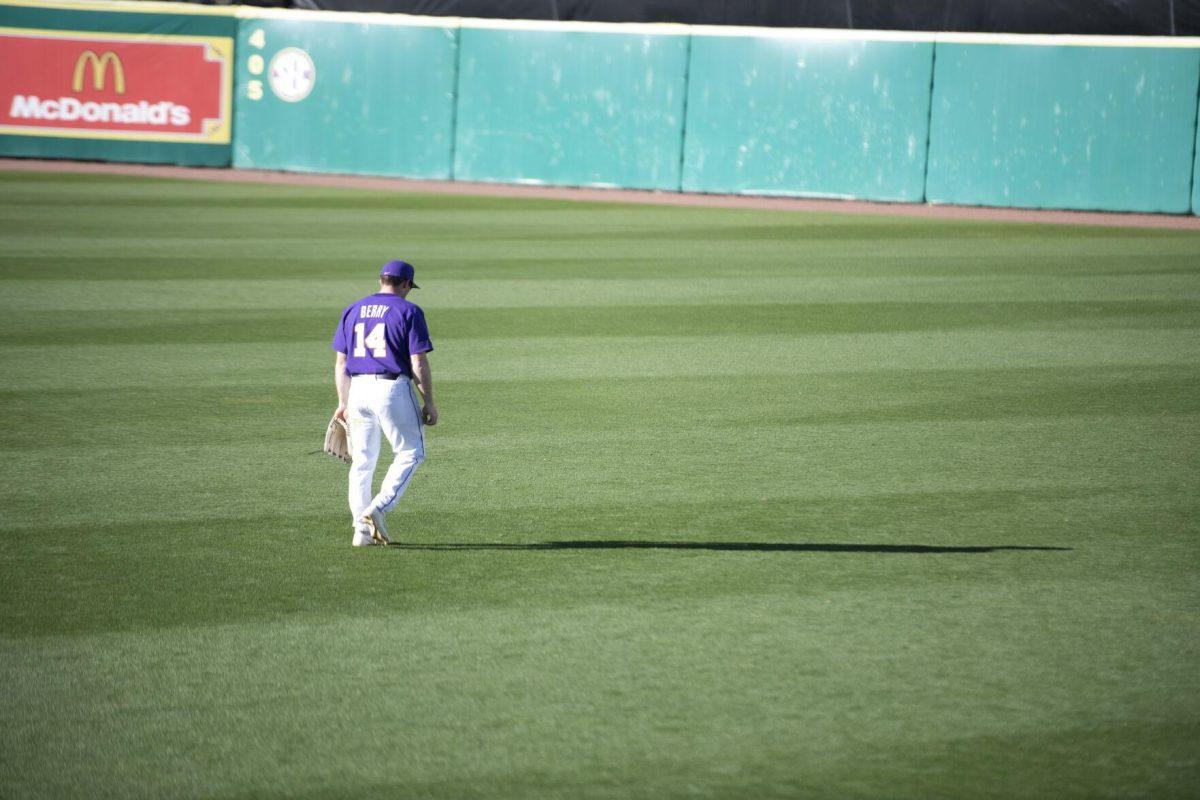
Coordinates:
[70,109]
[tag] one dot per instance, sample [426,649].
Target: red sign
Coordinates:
[120,86]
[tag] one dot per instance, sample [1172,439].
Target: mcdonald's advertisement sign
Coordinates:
[138,87]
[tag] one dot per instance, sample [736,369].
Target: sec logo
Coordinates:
[291,74]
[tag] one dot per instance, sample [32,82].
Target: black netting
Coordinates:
[1133,17]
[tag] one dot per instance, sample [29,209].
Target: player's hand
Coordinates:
[340,413]
[429,414]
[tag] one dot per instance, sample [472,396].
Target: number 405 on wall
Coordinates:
[254,87]
[291,73]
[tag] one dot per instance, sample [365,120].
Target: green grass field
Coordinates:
[723,504]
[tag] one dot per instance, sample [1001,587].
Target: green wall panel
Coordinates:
[185,155]
[198,22]
[807,117]
[380,97]
[1063,127]
[576,108]
[1196,175]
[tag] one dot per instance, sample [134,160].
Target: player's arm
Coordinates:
[342,381]
[424,378]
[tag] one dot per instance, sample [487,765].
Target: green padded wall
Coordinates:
[380,97]
[811,117]
[1196,175]
[1077,127]
[570,107]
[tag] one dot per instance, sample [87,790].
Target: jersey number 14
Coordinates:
[374,340]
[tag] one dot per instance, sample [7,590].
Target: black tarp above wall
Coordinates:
[1129,17]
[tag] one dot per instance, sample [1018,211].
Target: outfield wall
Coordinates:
[361,110]
[1046,126]
[571,107]
[792,114]
[1028,121]
[1196,172]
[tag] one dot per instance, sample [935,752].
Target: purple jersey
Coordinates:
[379,333]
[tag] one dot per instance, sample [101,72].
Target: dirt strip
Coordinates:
[611,195]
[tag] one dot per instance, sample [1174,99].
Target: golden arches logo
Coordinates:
[100,65]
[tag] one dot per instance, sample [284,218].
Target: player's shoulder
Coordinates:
[405,307]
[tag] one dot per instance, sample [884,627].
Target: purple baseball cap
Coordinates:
[398,269]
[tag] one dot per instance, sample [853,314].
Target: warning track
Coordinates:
[1054,217]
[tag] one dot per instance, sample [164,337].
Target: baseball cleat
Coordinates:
[363,539]
[374,522]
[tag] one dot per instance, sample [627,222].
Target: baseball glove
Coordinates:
[337,439]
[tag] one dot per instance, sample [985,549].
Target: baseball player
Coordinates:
[381,343]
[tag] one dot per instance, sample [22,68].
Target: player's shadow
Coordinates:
[756,547]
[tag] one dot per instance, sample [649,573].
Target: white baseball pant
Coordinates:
[376,409]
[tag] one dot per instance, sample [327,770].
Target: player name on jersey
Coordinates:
[372,311]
